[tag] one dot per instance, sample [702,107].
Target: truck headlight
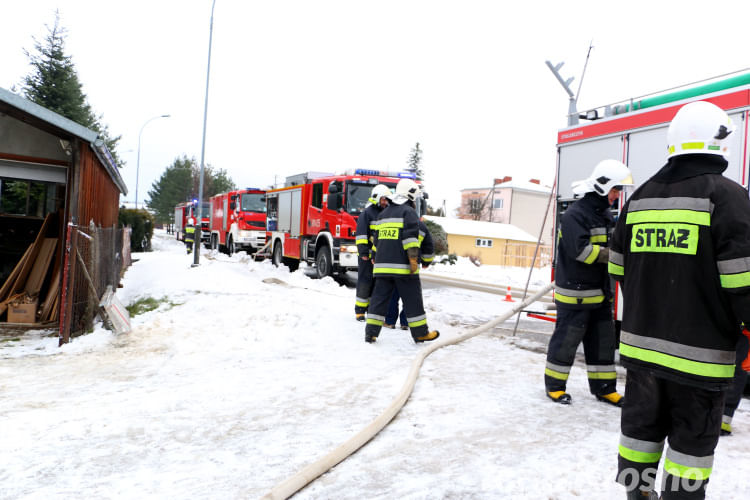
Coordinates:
[349,248]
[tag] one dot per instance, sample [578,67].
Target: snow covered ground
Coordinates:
[247,373]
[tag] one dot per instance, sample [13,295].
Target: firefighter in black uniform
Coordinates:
[583,294]
[681,251]
[378,201]
[189,235]
[396,249]
[426,256]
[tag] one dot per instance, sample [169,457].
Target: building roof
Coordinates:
[517,185]
[70,127]
[482,229]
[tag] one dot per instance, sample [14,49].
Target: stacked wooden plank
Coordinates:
[22,291]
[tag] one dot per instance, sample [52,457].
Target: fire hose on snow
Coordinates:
[307,475]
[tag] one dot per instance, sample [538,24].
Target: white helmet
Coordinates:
[700,127]
[191,221]
[606,175]
[378,192]
[407,189]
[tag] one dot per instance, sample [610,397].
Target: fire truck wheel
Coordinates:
[323,262]
[213,242]
[230,246]
[277,259]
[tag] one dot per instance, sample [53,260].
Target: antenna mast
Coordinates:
[572,109]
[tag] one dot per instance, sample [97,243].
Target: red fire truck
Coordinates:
[190,209]
[313,218]
[238,220]
[636,134]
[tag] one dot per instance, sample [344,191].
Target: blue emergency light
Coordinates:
[385,173]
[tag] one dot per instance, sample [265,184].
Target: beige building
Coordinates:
[492,243]
[520,203]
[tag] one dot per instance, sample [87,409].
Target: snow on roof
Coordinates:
[483,229]
[518,185]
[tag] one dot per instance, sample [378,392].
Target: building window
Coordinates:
[482,242]
[475,206]
[497,203]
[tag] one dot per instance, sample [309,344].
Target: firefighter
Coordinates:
[396,253]
[377,202]
[426,256]
[583,294]
[681,252]
[189,234]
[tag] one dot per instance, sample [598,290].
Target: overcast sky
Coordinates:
[330,85]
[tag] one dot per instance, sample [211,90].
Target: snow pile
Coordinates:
[246,373]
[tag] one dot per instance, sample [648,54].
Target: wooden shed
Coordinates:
[59,200]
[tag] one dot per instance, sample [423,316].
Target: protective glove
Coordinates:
[413,254]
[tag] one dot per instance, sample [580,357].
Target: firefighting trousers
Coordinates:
[734,393]
[688,417]
[410,290]
[593,327]
[364,286]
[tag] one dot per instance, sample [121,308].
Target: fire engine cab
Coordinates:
[238,220]
[635,133]
[190,209]
[313,218]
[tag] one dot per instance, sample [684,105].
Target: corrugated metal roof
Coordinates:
[482,229]
[71,127]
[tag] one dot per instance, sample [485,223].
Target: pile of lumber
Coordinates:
[35,281]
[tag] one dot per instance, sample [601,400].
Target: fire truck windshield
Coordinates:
[358,195]
[253,202]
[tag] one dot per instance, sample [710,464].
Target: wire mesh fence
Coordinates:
[98,257]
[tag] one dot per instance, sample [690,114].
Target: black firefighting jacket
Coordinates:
[426,245]
[681,251]
[581,280]
[364,229]
[395,231]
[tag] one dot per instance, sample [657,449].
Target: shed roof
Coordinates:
[70,127]
[482,229]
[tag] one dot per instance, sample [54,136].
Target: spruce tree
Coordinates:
[414,162]
[54,84]
[180,182]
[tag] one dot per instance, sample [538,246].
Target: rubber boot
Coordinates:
[561,397]
[427,337]
[613,398]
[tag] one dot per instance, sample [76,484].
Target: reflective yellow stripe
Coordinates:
[413,244]
[361,242]
[615,269]
[361,304]
[417,323]
[639,456]
[679,364]
[593,255]
[371,321]
[390,224]
[602,375]
[390,270]
[557,375]
[697,473]
[579,300]
[685,216]
[599,238]
[735,280]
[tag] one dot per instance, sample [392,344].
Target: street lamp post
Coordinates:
[138,163]
[197,235]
